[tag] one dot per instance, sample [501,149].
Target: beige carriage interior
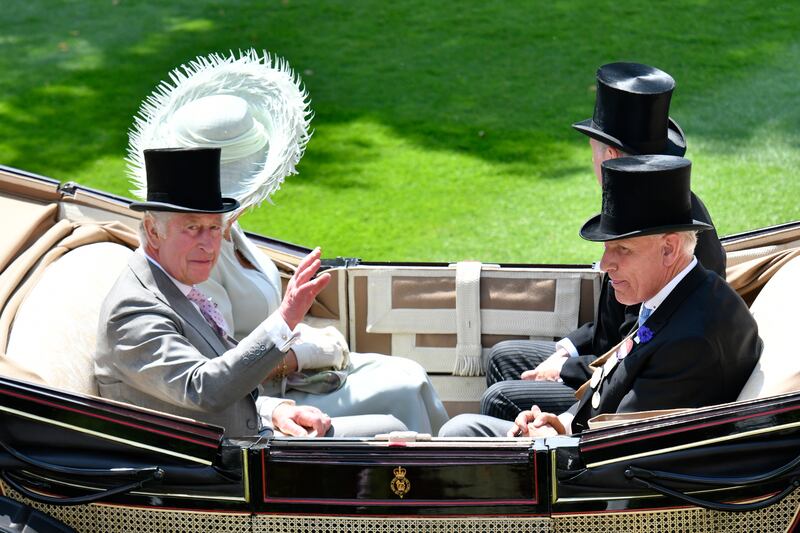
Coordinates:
[63,248]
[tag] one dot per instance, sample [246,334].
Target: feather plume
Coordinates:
[275,96]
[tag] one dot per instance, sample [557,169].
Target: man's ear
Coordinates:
[670,247]
[612,152]
[151,232]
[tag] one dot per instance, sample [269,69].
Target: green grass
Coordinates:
[441,128]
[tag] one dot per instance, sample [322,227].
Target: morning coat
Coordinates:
[703,348]
[614,320]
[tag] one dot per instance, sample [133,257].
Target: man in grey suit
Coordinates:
[162,344]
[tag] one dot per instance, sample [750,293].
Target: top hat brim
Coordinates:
[676,141]
[591,230]
[228,205]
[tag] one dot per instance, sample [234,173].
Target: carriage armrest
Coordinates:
[614,419]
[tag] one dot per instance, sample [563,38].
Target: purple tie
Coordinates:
[209,311]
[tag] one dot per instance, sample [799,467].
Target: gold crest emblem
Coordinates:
[400,485]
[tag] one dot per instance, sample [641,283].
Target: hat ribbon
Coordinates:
[234,148]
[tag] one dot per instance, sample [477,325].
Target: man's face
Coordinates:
[636,267]
[189,247]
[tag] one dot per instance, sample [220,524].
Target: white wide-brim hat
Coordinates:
[253,107]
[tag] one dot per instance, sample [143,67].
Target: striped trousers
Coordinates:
[507,395]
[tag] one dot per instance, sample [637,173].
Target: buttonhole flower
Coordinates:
[644,334]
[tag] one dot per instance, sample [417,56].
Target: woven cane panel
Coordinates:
[280,524]
[692,520]
[113,519]
[774,519]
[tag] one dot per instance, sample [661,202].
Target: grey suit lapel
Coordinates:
[157,282]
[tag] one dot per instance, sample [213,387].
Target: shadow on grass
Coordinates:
[500,82]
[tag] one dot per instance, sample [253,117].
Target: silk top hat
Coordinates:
[252,106]
[644,195]
[631,111]
[184,180]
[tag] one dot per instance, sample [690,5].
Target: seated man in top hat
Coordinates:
[254,109]
[631,117]
[695,342]
[162,343]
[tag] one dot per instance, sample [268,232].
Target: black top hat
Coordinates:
[631,111]
[184,180]
[644,195]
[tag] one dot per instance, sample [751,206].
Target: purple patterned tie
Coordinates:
[209,311]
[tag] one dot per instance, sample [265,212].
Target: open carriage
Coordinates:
[92,464]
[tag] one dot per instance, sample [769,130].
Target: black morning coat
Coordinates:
[703,348]
[614,320]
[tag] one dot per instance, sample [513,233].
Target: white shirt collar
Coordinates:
[184,288]
[661,295]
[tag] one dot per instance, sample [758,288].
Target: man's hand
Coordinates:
[549,369]
[302,289]
[535,423]
[300,420]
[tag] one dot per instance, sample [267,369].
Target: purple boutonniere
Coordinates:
[644,334]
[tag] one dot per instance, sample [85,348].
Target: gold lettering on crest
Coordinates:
[400,485]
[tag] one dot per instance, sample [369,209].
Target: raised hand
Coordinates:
[302,289]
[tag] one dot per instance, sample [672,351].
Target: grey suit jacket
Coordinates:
[155,350]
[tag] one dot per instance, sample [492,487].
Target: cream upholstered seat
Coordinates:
[775,310]
[54,330]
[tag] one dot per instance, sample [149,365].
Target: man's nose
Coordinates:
[207,240]
[606,263]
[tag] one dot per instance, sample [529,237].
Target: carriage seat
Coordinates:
[55,328]
[775,311]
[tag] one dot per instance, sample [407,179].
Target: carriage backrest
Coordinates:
[775,311]
[55,327]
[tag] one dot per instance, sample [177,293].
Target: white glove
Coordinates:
[320,348]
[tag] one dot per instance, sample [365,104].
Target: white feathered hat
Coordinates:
[253,107]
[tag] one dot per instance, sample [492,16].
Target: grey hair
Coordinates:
[606,146]
[160,219]
[688,241]
[230,217]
